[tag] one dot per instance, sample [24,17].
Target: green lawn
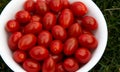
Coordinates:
[110,61]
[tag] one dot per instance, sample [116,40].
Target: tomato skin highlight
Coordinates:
[88,41]
[66,18]
[49,65]
[83,55]
[70,46]
[79,9]
[27,41]
[39,53]
[31,65]
[44,38]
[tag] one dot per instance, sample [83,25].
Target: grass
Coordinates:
[110,62]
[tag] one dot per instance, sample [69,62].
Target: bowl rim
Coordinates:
[88,67]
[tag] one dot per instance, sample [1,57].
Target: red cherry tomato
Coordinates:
[39,53]
[41,8]
[88,41]
[65,4]
[23,16]
[13,40]
[49,65]
[49,20]
[89,23]
[19,56]
[29,5]
[70,65]
[79,9]
[31,65]
[85,31]
[27,41]
[12,26]
[36,18]
[59,33]
[44,38]
[33,27]
[57,57]
[56,47]
[60,68]
[83,55]
[55,5]
[75,30]
[70,46]
[66,18]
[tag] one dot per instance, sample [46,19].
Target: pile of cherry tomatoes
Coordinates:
[52,36]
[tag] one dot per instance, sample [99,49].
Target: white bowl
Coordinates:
[16,5]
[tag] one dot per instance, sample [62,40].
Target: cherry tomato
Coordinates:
[70,46]
[79,9]
[57,57]
[29,5]
[88,41]
[23,16]
[60,68]
[27,41]
[41,8]
[13,40]
[89,23]
[83,55]
[33,27]
[65,4]
[49,65]
[75,30]
[70,65]
[55,5]
[12,26]
[31,65]
[39,53]
[56,47]
[48,1]
[44,38]
[59,33]
[49,20]
[66,18]
[85,31]
[36,18]
[19,56]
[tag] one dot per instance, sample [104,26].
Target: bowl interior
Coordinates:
[16,5]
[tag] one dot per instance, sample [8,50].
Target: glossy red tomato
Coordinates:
[33,27]
[88,41]
[13,40]
[49,20]
[59,32]
[65,4]
[23,16]
[57,57]
[66,18]
[27,41]
[89,23]
[44,38]
[70,65]
[36,18]
[19,56]
[31,65]
[83,55]
[55,5]
[85,31]
[29,5]
[12,26]
[75,30]
[41,8]
[39,53]
[60,68]
[49,65]
[79,8]
[56,47]
[70,46]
